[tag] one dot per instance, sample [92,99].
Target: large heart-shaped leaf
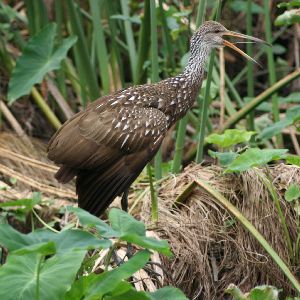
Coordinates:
[18,276]
[65,241]
[230,137]
[255,157]
[88,220]
[108,281]
[38,58]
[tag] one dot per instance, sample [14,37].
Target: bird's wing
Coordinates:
[97,137]
[109,149]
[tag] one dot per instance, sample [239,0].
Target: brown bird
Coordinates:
[108,145]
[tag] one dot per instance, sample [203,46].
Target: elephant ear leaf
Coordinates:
[38,58]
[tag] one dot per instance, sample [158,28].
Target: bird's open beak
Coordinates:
[243,36]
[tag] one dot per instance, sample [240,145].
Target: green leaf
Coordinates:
[230,137]
[289,17]
[167,293]
[23,203]
[255,157]
[241,6]
[38,58]
[134,231]
[74,239]
[224,158]
[292,114]
[148,243]
[290,4]
[88,220]
[132,295]
[65,241]
[265,292]
[292,159]
[12,239]
[18,276]
[124,223]
[108,281]
[41,248]
[292,193]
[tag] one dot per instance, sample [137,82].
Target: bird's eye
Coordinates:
[217,31]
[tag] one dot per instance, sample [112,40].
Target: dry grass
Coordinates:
[211,249]
[25,160]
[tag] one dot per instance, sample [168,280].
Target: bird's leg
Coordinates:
[124,201]
[124,205]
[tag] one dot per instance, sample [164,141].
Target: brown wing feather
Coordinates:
[107,147]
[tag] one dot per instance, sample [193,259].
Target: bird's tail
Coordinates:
[96,189]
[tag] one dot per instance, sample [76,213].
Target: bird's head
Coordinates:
[211,35]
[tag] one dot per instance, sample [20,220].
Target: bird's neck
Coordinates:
[194,71]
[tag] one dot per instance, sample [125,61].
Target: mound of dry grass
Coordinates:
[212,249]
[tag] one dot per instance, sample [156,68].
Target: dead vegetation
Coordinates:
[211,249]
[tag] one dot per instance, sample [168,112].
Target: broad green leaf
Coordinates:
[292,193]
[224,158]
[124,223]
[65,241]
[122,288]
[255,157]
[148,243]
[108,281]
[264,292]
[87,219]
[292,159]
[70,240]
[131,295]
[12,239]
[289,4]
[167,293]
[18,277]
[134,231]
[278,49]
[289,17]
[23,203]
[79,287]
[292,115]
[38,58]
[41,248]
[230,137]
[241,6]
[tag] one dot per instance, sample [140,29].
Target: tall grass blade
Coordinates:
[170,60]
[129,37]
[143,44]
[87,73]
[271,67]
[117,70]
[60,74]
[201,12]
[100,44]
[250,66]
[155,77]
[203,116]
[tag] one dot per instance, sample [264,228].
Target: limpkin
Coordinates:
[108,145]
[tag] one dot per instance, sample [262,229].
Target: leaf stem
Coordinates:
[43,222]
